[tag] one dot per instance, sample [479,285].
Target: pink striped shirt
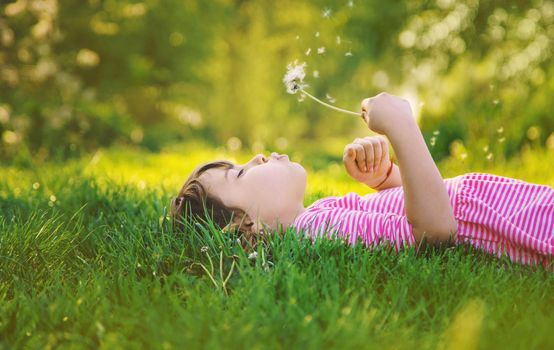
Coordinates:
[494,213]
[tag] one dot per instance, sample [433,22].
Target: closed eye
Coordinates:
[240,172]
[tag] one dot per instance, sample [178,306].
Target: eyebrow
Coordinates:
[227,172]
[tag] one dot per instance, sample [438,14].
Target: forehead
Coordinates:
[214,177]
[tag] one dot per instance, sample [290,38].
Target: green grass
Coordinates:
[99,267]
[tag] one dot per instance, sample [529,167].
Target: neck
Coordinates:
[286,219]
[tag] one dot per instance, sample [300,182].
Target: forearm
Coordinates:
[427,203]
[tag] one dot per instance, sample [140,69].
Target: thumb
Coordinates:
[350,163]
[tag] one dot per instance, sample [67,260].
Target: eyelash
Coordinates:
[240,172]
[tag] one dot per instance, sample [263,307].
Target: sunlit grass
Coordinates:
[98,266]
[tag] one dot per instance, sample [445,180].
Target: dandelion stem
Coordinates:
[328,105]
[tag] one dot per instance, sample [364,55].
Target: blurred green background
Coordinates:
[79,75]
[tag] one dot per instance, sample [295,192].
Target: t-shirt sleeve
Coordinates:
[353,225]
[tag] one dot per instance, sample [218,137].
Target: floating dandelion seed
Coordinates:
[500,130]
[326,13]
[433,141]
[496,101]
[501,139]
[294,82]
[317,34]
[463,156]
[349,53]
[308,51]
[350,4]
[330,99]
[436,132]
[338,40]
[297,37]
[489,156]
[486,148]
[315,74]
[320,50]
[301,97]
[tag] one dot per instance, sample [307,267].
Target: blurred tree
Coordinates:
[78,75]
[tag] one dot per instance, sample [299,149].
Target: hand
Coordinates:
[383,111]
[367,160]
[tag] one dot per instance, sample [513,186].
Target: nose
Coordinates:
[260,158]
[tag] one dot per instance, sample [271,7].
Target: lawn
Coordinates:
[88,260]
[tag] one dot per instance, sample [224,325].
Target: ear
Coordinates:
[241,222]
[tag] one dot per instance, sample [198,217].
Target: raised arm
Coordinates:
[427,203]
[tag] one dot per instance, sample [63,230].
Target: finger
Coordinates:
[366,108]
[360,156]
[349,160]
[368,149]
[356,145]
[385,148]
[377,154]
[384,144]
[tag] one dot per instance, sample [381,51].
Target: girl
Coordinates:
[412,203]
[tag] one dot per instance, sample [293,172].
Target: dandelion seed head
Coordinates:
[326,13]
[36,185]
[321,50]
[294,77]
[252,256]
[204,249]
[349,53]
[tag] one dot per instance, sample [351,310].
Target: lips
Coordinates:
[279,156]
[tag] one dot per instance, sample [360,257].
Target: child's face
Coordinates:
[269,189]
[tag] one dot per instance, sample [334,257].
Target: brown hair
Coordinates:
[194,203]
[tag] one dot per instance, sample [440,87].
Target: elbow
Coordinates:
[436,235]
